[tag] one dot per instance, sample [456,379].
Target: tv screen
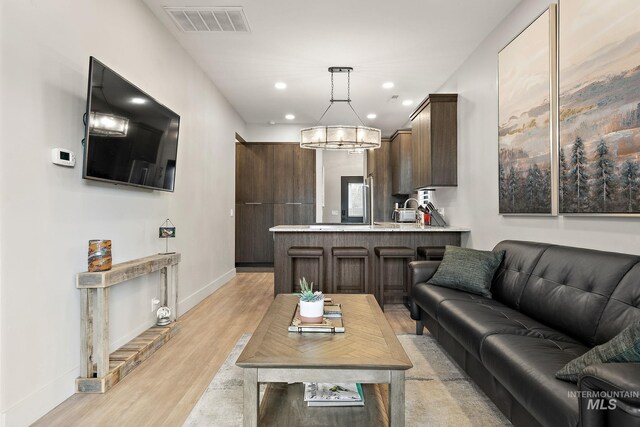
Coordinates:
[130,138]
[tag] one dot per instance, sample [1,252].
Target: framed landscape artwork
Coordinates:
[599,62]
[527,120]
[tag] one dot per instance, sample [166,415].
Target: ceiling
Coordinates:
[416,44]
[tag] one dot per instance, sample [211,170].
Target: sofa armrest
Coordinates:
[610,391]
[419,272]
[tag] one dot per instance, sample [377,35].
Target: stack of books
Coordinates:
[333,394]
[331,320]
[332,310]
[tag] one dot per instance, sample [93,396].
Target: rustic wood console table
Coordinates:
[99,370]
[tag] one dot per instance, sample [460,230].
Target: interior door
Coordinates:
[352,199]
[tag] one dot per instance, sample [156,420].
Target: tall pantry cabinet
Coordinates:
[275,185]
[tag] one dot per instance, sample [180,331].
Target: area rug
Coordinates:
[438,393]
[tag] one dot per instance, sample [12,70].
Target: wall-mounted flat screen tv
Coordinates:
[130,138]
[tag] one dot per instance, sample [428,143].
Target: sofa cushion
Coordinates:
[471,322]
[429,297]
[467,270]
[570,287]
[622,309]
[520,258]
[526,366]
[624,347]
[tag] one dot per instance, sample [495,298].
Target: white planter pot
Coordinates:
[311,312]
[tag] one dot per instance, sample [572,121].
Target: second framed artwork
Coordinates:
[599,62]
[527,132]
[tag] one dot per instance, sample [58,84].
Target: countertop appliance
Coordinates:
[404,215]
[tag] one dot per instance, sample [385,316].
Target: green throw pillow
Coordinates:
[624,347]
[467,270]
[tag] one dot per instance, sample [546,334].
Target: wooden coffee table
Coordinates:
[367,352]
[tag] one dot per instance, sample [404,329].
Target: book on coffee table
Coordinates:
[333,394]
[328,324]
[332,310]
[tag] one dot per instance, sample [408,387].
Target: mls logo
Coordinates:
[601,404]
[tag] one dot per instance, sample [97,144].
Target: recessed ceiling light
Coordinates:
[387,85]
[371,116]
[271,122]
[280,85]
[289,117]
[138,100]
[407,102]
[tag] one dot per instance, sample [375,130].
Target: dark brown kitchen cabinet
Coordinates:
[294,213]
[294,177]
[304,175]
[254,242]
[275,185]
[434,142]
[401,178]
[254,173]
[379,164]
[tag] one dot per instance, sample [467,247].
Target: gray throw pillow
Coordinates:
[467,270]
[624,347]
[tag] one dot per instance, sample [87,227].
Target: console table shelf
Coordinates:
[99,370]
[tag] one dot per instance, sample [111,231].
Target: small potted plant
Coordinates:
[311,303]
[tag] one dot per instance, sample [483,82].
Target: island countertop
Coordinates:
[383,227]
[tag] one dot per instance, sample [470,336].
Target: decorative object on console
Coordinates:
[311,303]
[624,347]
[164,316]
[599,65]
[167,231]
[99,255]
[340,137]
[527,131]
[467,270]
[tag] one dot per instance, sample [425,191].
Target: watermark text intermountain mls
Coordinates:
[603,400]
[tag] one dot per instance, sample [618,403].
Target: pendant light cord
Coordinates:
[332,100]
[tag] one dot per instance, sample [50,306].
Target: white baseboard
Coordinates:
[38,403]
[192,300]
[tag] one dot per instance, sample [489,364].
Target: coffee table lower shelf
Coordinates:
[283,405]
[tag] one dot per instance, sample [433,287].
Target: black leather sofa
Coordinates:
[550,305]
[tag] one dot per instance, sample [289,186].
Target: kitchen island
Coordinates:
[307,251]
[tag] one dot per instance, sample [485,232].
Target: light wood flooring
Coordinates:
[163,390]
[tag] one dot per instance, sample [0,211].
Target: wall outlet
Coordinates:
[335,213]
[155,305]
[441,211]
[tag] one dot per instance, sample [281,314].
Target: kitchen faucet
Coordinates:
[409,199]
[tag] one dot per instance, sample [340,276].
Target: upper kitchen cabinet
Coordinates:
[294,174]
[401,179]
[434,142]
[254,173]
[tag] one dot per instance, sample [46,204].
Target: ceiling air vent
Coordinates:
[208,19]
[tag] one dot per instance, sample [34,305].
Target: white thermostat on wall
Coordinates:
[62,157]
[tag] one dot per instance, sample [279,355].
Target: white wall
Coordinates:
[272,133]
[474,202]
[49,213]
